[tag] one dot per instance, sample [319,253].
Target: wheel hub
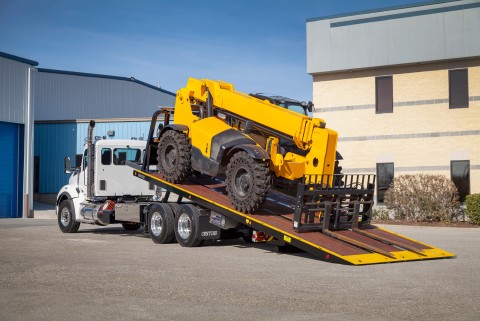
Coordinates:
[156,224]
[170,156]
[242,182]
[65,216]
[184,226]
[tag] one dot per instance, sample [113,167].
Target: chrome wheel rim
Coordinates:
[156,224]
[184,226]
[65,216]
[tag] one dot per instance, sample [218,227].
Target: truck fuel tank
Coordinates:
[98,213]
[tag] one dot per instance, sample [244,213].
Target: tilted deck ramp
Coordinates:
[370,245]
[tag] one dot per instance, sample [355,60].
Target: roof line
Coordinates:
[84,74]
[19,59]
[355,13]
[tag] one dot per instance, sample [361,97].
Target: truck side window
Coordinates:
[85,159]
[106,156]
[121,155]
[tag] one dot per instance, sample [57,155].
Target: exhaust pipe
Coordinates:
[91,170]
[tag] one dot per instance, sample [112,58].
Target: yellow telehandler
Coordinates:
[218,131]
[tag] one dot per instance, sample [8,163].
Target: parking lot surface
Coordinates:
[105,273]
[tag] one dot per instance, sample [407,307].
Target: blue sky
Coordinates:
[258,45]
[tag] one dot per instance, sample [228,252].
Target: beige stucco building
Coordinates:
[402,88]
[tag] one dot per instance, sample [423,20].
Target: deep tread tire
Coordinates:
[338,181]
[161,223]
[187,225]
[66,217]
[248,182]
[175,208]
[131,226]
[174,156]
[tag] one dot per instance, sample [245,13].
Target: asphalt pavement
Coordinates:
[105,273]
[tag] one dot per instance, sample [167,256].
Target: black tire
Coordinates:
[175,208]
[338,177]
[131,226]
[66,217]
[248,182]
[186,226]
[161,223]
[247,237]
[174,156]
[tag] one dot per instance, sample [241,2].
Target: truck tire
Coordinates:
[248,182]
[175,208]
[161,223]
[174,156]
[186,226]
[131,226]
[66,217]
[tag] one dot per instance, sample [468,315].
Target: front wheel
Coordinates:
[248,182]
[66,217]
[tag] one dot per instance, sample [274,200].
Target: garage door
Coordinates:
[11,169]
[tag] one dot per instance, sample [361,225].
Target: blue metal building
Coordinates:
[54,141]
[15,133]
[64,104]
[44,116]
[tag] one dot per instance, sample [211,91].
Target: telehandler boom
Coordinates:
[219,131]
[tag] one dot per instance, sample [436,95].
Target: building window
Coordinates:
[384,95]
[460,173]
[384,179]
[458,88]
[106,156]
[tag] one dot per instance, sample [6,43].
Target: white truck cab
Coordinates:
[111,184]
[112,178]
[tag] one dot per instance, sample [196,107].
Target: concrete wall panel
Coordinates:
[417,34]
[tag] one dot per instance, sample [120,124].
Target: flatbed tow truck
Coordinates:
[345,237]
[220,158]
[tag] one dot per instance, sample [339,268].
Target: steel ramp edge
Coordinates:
[400,256]
[428,252]
[221,205]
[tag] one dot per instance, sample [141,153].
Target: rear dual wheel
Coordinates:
[161,223]
[187,225]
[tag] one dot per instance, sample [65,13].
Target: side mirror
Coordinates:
[248,127]
[310,106]
[67,165]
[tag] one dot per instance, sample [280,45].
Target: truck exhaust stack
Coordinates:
[91,170]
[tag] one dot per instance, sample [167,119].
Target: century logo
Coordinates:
[209,233]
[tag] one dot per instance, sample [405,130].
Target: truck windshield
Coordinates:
[121,155]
